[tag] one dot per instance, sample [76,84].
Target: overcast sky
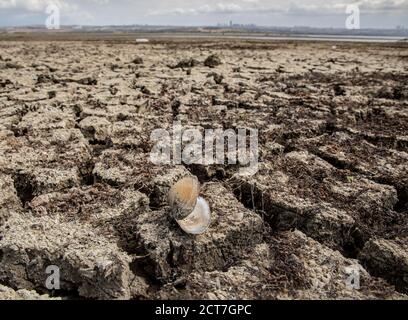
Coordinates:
[314,13]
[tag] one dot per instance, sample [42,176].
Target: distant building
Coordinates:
[233,25]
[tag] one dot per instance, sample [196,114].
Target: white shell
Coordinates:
[198,221]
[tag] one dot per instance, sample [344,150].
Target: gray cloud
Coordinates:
[298,7]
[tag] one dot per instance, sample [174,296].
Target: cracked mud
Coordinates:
[77,188]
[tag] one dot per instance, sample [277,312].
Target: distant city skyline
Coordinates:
[379,14]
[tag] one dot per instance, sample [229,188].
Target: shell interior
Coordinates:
[199,219]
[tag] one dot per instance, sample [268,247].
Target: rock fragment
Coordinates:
[137,60]
[185,63]
[212,61]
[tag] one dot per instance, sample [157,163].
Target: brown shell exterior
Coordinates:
[183,197]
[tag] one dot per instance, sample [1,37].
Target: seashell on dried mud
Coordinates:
[183,197]
[191,212]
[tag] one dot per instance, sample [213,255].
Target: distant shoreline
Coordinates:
[154,36]
[340,38]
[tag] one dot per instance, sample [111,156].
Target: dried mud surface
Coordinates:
[77,188]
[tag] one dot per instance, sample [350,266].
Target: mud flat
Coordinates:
[78,190]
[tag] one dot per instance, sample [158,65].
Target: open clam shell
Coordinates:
[191,212]
[199,219]
[183,197]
